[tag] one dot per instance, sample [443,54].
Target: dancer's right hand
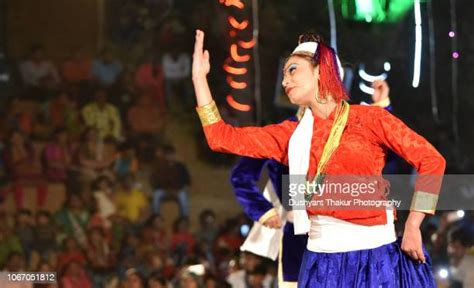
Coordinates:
[273,222]
[201,64]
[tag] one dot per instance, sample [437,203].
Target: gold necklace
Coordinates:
[340,120]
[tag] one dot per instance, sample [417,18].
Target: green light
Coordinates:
[376,11]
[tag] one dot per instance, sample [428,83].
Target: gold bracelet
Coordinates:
[209,114]
[382,103]
[424,202]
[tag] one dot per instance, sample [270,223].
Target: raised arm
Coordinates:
[259,142]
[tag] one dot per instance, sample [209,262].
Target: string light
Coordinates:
[235,55]
[234,70]
[236,24]
[236,105]
[236,3]
[235,84]
[248,44]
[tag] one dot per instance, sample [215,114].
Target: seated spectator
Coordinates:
[157,280]
[24,229]
[45,235]
[153,262]
[124,92]
[92,157]
[128,255]
[77,68]
[58,156]
[38,72]
[75,276]
[182,241]
[134,279]
[169,178]
[149,78]
[101,259]
[257,278]
[145,117]
[58,108]
[126,164]
[252,272]
[73,219]
[9,243]
[461,263]
[105,69]
[188,279]
[159,233]
[103,116]
[103,194]
[131,201]
[22,115]
[45,267]
[15,264]
[25,169]
[177,71]
[230,238]
[207,227]
[70,253]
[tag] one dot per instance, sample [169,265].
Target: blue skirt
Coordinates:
[384,266]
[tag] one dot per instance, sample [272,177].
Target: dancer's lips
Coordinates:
[288,90]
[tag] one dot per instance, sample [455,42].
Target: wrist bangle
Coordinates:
[208,114]
[424,202]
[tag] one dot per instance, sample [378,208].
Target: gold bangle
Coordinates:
[209,114]
[270,213]
[382,103]
[424,202]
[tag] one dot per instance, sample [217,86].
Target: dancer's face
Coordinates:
[300,80]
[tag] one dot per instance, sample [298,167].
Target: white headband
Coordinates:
[311,47]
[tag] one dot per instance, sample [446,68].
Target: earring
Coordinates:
[319,100]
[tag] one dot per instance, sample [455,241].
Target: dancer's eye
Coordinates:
[292,68]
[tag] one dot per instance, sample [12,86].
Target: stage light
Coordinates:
[418,39]
[443,273]
[451,34]
[386,66]
[455,55]
[460,213]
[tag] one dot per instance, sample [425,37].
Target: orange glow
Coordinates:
[236,3]
[234,70]
[235,84]
[236,105]
[236,25]
[235,56]
[248,44]
[232,33]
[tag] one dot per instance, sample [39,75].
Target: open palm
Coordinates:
[201,65]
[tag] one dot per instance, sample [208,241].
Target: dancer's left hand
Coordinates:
[273,222]
[381,90]
[412,243]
